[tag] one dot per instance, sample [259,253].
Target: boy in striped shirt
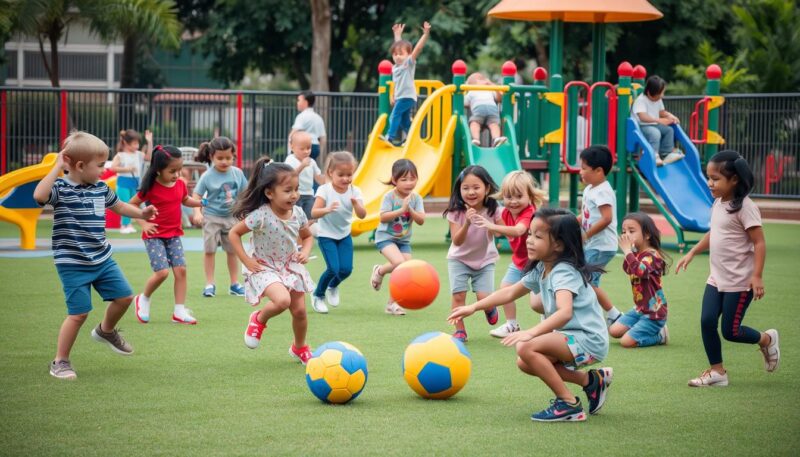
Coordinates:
[81,252]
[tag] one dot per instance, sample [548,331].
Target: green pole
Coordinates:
[713,73]
[571,105]
[459,70]
[536,118]
[625,71]
[639,75]
[384,78]
[553,116]
[599,106]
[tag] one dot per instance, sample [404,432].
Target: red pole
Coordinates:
[64,124]
[3,134]
[239,130]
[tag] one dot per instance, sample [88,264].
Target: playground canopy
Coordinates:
[592,11]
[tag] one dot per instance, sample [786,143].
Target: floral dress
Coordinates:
[273,242]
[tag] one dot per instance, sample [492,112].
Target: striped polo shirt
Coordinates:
[79,222]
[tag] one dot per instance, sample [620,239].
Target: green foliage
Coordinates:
[691,79]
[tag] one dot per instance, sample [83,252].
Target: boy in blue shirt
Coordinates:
[81,252]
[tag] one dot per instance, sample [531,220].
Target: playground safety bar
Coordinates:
[611,94]
[694,126]
[475,87]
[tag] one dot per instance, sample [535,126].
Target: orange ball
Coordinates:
[414,284]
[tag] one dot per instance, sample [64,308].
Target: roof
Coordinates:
[593,11]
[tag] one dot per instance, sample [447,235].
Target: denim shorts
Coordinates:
[485,114]
[165,253]
[405,248]
[513,274]
[460,275]
[640,325]
[78,280]
[598,259]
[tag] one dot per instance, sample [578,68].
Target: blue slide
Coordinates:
[680,184]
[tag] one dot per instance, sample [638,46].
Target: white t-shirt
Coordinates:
[479,97]
[310,122]
[593,199]
[337,224]
[131,159]
[645,105]
[306,176]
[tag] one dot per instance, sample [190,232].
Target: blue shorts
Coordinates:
[405,248]
[78,280]
[513,274]
[598,259]
[640,326]
[165,253]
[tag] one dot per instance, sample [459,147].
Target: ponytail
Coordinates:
[731,164]
[207,149]
[126,136]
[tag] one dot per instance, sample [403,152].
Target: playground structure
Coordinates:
[17,205]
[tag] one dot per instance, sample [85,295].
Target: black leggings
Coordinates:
[732,306]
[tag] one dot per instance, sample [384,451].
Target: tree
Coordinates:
[321,47]
[691,79]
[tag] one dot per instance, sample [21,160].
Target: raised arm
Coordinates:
[42,191]
[397,30]
[426,31]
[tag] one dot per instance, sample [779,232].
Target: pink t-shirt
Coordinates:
[478,249]
[731,251]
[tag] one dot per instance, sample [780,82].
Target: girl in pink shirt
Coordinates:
[737,252]
[472,254]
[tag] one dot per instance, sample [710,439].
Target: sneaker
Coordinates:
[384,138]
[62,370]
[504,330]
[460,335]
[184,318]
[237,290]
[596,390]
[659,161]
[559,410]
[332,296]
[318,303]
[672,157]
[498,141]
[127,230]
[113,339]
[253,332]
[394,309]
[709,378]
[771,353]
[210,291]
[302,354]
[664,335]
[492,315]
[476,142]
[377,278]
[142,310]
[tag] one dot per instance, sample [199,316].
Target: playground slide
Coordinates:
[680,184]
[17,205]
[429,145]
[497,161]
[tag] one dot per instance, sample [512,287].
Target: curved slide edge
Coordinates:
[497,161]
[17,205]
[680,184]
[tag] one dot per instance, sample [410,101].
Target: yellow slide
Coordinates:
[16,198]
[429,145]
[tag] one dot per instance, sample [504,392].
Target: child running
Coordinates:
[521,196]
[275,268]
[163,188]
[572,334]
[400,209]
[306,167]
[737,251]
[334,206]
[472,253]
[220,185]
[128,164]
[81,251]
[646,323]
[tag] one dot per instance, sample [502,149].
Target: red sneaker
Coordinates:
[302,354]
[252,335]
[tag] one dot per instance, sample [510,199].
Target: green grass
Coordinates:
[199,391]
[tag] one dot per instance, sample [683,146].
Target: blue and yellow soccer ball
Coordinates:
[337,373]
[436,365]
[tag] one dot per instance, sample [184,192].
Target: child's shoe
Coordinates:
[62,370]
[673,156]
[460,335]
[318,304]
[394,309]
[504,330]
[332,296]
[596,390]
[237,290]
[476,142]
[498,141]
[210,290]
[663,334]
[142,307]
[559,410]
[659,161]
[377,278]
[492,315]
[183,315]
[302,354]
[253,332]
[771,353]
[113,339]
[710,378]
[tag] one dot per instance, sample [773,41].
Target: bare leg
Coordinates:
[279,301]
[116,309]
[475,130]
[233,267]
[602,297]
[459,298]
[154,282]
[208,267]
[299,318]
[539,357]
[509,309]
[395,258]
[68,333]
[180,285]
[494,129]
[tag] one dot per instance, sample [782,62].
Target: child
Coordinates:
[405,93]
[400,207]
[483,107]
[472,252]
[521,197]
[599,219]
[128,164]
[81,252]
[572,334]
[645,324]
[334,208]
[274,265]
[655,121]
[220,184]
[737,252]
[163,188]
[306,167]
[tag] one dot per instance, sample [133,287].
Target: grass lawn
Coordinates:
[199,391]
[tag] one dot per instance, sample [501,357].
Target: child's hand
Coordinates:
[148,228]
[481,221]
[460,313]
[148,136]
[426,27]
[406,204]
[684,262]
[757,286]
[471,213]
[674,119]
[149,212]
[305,162]
[253,265]
[398,28]
[196,219]
[300,257]
[62,161]
[334,206]
[625,243]
[517,337]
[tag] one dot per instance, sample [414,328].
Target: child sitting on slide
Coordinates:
[483,106]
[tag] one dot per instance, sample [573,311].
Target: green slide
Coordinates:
[497,161]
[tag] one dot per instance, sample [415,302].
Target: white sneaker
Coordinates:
[672,157]
[771,353]
[394,309]
[318,303]
[659,162]
[183,316]
[664,334]
[376,279]
[142,308]
[709,378]
[498,141]
[127,230]
[332,296]
[504,330]
[476,142]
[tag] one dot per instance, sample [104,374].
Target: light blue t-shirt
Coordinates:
[398,229]
[221,190]
[403,78]
[587,325]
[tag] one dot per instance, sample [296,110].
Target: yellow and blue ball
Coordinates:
[436,365]
[337,373]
